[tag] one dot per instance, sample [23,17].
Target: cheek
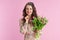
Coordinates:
[29,11]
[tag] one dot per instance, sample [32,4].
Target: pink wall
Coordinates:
[11,11]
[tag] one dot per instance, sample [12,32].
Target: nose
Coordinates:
[28,10]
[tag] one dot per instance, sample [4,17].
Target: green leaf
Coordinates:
[38,24]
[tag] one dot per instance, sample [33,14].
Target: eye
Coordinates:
[27,8]
[30,8]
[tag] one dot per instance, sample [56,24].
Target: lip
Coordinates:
[28,12]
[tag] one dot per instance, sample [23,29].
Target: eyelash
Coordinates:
[27,8]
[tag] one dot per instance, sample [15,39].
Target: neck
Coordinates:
[29,16]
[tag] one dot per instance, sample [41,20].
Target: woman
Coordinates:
[26,25]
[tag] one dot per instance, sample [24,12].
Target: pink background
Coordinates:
[11,12]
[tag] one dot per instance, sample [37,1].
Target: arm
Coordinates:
[37,34]
[40,32]
[23,28]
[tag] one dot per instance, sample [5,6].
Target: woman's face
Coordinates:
[29,9]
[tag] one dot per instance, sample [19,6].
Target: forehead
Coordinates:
[28,6]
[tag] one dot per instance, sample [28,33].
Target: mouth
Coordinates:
[28,12]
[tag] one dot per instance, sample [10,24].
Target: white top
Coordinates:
[26,29]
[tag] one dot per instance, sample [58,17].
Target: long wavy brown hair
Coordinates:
[34,13]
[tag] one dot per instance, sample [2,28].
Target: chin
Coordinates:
[29,14]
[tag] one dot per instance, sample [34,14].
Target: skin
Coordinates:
[29,11]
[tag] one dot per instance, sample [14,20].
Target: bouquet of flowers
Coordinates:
[39,23]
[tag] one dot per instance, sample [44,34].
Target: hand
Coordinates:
[27,18]
[24,31]
[40,32]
